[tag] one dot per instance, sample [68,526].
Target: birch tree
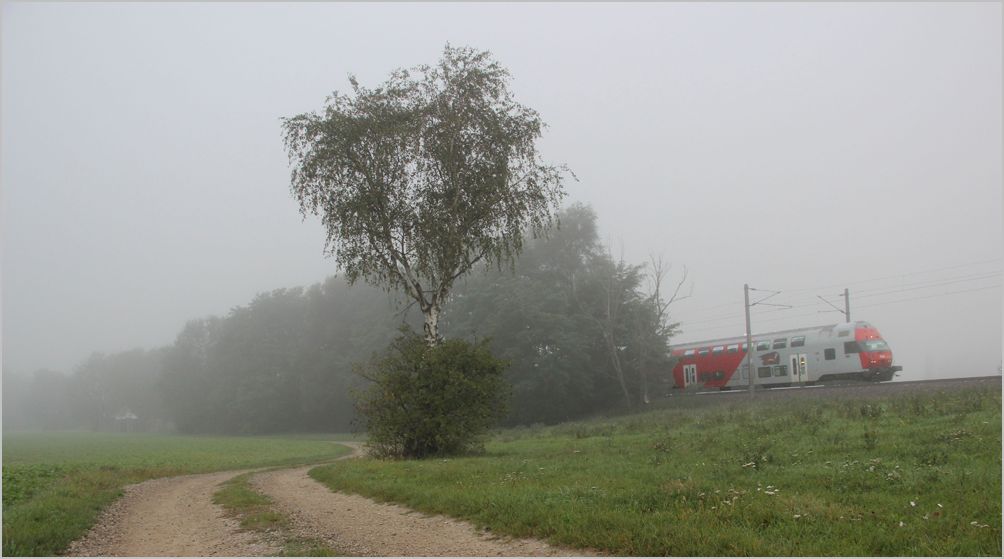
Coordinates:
[422,178]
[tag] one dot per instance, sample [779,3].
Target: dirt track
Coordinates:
[176,517]
[354,525]
[170,517]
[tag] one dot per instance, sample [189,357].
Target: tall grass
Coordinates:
[912,475]
[56,484]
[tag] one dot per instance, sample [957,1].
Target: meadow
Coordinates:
[914,474]
[56,484]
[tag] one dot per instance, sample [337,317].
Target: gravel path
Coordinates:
[354,525]
[170,517]
[176,517]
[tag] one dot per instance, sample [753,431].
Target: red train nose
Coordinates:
[880,359]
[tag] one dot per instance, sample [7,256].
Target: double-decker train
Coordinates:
[838,352]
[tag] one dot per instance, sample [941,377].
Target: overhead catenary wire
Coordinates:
[894,276]
[740,326]
[998,286]
[862,281]
[868,293]
[928,285]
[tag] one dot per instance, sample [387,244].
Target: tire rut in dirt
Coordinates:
[354,525]
[170,517]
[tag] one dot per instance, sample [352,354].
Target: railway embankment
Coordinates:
[889,469]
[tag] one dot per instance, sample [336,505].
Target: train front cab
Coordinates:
[868,356]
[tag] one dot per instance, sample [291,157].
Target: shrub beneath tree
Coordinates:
[432,401]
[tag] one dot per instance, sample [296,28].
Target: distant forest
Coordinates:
[581,330]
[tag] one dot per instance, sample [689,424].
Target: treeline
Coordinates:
[582,331]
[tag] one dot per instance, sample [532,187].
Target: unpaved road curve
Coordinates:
[170,517]
[354,525]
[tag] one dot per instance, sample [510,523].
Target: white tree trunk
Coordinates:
[431,326]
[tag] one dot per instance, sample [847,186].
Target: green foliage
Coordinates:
[283,362]
[56,484]
[426,175]
[103,387]
[545,319]
[680,483]
[432,401]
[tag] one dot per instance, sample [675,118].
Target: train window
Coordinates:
[843,333]
[851,347]
[874,345]
[780,343]
[734,348]
[830,354]
[763,372]
[763,345]
[702,351]
[717,349]
[745,347]
[780,370]
[798,341]
[689,352]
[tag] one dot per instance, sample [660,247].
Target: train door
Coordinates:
[689,375]
[799,368]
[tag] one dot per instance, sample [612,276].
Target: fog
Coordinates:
[797,148]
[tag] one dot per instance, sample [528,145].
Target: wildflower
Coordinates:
[912,504]
[939,506]
[798,516]
[901,524]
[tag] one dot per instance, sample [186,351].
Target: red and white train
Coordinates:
[846,351]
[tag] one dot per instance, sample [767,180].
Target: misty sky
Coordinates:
[801,148]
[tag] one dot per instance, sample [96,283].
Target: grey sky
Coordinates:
[801,148]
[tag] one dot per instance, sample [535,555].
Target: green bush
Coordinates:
[432,401]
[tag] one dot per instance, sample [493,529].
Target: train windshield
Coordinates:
[873,345]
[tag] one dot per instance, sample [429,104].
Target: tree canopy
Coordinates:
[418,180]
[283,362]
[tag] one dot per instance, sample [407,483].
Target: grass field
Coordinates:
[55,484]
[906,475]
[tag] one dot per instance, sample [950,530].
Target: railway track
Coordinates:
[829,391]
